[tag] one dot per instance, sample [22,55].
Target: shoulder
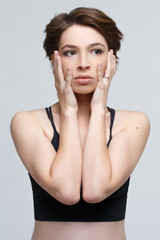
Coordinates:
[140,119]
[29,116]
[33,120]
[132,117]
[133,122]
[25,120]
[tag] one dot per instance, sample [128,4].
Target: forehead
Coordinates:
[81,36]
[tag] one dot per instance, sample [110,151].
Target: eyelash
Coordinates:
[73,52]
[68,51]
[99,51]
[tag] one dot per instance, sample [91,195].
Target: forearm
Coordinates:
[66,168]
[96,162]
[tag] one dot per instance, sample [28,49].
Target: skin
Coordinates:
[81,110]
[79,61]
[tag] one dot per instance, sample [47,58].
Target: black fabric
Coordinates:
[47,208]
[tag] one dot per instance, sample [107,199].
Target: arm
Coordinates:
[58,173]
[105,170]
[66,169]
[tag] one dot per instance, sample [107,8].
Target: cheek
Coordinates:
[67,63]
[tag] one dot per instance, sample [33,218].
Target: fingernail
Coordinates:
[55,53]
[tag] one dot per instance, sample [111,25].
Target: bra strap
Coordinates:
[50,116]
[112,112]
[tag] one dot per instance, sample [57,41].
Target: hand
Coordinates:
[99,98]
[65,93]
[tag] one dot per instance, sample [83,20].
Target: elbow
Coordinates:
[95,196]
[91,199]
[69,196]
[66,193]
[71,199]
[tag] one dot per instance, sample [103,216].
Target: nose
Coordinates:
[83,62]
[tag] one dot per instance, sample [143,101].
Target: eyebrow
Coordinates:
[74,46]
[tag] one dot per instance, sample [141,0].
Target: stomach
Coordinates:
[79,231]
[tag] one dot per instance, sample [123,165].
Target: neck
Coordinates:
[84,101]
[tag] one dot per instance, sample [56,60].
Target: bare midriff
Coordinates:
[79,231]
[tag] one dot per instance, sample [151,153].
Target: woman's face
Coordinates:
[82,48]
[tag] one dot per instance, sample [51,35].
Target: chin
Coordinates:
[84,89]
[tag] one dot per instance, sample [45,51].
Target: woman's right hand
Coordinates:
[65,93]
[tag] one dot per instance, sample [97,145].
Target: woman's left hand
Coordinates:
[99,98]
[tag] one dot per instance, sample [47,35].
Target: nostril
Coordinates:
[83,67]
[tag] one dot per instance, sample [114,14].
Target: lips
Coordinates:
[83,77]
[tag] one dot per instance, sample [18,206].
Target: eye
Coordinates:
[96,51]
[69,53]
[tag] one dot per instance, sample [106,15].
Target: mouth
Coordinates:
[83,78]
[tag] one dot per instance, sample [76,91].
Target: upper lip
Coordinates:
[83,76]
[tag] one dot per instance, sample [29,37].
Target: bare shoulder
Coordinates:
[34,119]
[130,134]
[132,121]
[29,132]
[134,118]
[27,118]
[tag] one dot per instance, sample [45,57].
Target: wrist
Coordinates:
[69,112]
[98,110]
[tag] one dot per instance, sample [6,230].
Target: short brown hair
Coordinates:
[91,17]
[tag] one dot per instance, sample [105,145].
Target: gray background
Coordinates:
[26,83]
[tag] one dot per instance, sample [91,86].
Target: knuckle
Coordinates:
[101,85]
[66,90]
[61,88]
[100,75]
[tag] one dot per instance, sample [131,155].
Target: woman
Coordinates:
[78,152]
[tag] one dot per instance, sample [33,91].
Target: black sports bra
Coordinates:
[47,208]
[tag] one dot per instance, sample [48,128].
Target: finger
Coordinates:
[54,65]
[69,77]
[99,72]
[110,57]
[113,68]
[54,62]
[110,65]
[114,64]
[100,75]
[60,75]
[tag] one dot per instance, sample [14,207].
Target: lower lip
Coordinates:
[83,80]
